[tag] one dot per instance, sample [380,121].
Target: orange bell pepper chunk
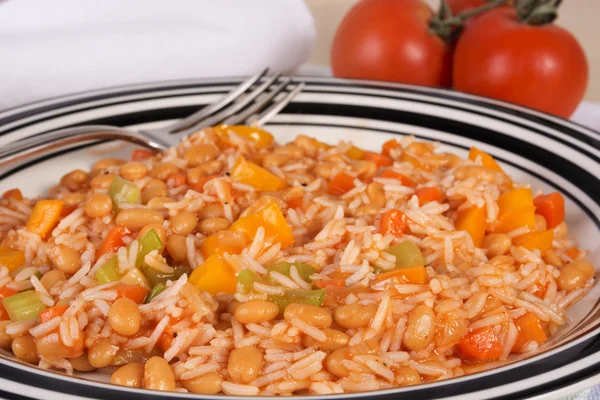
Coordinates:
[214,276]
[413,275]
[112,241]
[251,174]
[379,159]
[541,240]
[389,146]
[404,180]
[355,153]
[44,217]
[340,184]
[272,219]
[5,292]
[481,344]
[11,259]
[141,154]
[258,136]
[487,160]
[55,311]
[429,194]
[515,198]
[530,328]
[12,194]
[473,220]
[516,218]
[551,207]
[137,293]
[392,223]
[223,242]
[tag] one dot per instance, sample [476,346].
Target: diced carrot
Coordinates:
[12,194]
[295,202]
[5,292]
[55,311]
[473,220]
[487,160]
[166,338]
[539,291]
[112,241]
[414,275]
[340,184]
[389,146]
[392,223]
[44,217]
[198,186]
[414,161]
[428,194]
[379,159]
[137,293]
[68,209]
[551,207]
[141,154]
[573,252]
[530,329]
[176,179]
[11,258]
[404,180]
[541,240]
[324,283]
[481,344]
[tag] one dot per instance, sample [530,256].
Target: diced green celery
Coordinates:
[304,270]
[156,290]
[246,278]
[154,277]
[108,272]
[310,297]
[407,254]
[24,305]
[122,191]
[150,241]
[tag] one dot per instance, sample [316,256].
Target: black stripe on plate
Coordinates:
[13,396]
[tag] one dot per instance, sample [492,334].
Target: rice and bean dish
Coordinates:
[231,264]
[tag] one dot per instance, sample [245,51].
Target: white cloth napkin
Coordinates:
[50,48]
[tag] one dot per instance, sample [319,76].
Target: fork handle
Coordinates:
[48,142]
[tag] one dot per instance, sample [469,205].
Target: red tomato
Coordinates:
[390,40]
[458,6]
[542,67]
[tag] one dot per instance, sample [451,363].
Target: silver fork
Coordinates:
[244,104]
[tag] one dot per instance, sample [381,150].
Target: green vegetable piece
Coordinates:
[304,270]
[156,290]
[310,297]
[407,254]
[150,241]
[24,305]
[122,191]
[246,278]
[155,277]
[108,272]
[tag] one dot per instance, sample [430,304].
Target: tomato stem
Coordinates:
[537,12]
[446,25]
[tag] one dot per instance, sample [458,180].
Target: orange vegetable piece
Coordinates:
[539,291]
[137,293]
[541,240]
[404,180]
[11,259]
[481,344]
[515,198]
[55,311]
[324,283]
[429,194]
[516,218]
[340,184]
[199,185]
[44,217]
[166,338]
[176,179]
[112,241]
[530,328]
[258,136]
[355,153]
[389,146]
[12,194]
[414,275]
[68,209]
[272,219]
[573,252]
[214,276]
[223,242]
[473,220]
[392,223]
[5,292]
[295,202]
[551,207]
[414,161]
[251,174]
[379,159]
[487,160]
[141,154]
